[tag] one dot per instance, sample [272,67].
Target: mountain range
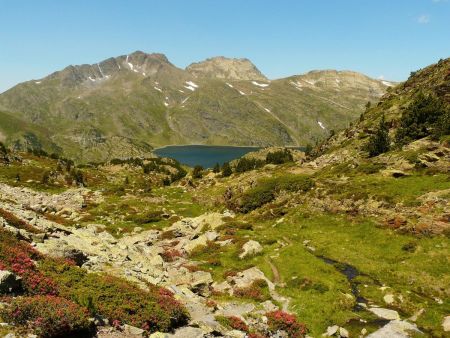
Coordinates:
[127,105]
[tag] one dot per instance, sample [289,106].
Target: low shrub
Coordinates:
[170,255]
[282,321]
[233,322]
[18,256]
[117,299]
[258,290]
[266,190]
[49,316]
[370,168]
[210,248]
[151,216]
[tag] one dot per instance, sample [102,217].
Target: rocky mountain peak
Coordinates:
[226,68]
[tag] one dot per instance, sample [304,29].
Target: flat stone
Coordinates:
[385,313]
[395,329]
[188,332]
[132,330]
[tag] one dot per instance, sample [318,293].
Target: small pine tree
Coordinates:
[442,126]
[226,170]
[127,181]
[420,119]
[216,168]
[45,178]
[379,142]
[197,172]
[308,149]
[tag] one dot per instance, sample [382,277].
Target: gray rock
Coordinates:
[188,332]
[331,330]
[385,313]
[446,324]
[251,248]
[132,330]
[9,282]
[395,329]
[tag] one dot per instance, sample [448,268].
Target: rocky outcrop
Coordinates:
[226,68]
[9,282]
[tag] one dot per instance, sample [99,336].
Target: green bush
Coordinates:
[266,190]
[246,164]
[151,216]
[370,168]
[279,157]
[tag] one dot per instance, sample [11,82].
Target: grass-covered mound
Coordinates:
[267,189]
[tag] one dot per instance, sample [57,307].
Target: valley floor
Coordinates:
[335,261]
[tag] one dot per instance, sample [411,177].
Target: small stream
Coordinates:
[350,272]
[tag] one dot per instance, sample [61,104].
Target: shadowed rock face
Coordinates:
[226,68]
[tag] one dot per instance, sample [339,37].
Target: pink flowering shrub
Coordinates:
[17,257]
[282,321]
[49,316]
[117,299]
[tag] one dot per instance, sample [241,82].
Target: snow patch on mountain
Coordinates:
[260,84]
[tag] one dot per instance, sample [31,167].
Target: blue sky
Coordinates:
[388,38]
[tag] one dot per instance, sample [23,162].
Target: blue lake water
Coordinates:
[206,156]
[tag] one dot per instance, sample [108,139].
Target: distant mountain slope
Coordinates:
[350,144]
[225,68]
[126,105]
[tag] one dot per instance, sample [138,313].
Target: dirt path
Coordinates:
[275,272]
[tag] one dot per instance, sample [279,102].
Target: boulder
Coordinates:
[9,282]
[331,330]
[389,298]
[246,278]
[251,248]
[446,324]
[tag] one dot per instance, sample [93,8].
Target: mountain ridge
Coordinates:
[146,101]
